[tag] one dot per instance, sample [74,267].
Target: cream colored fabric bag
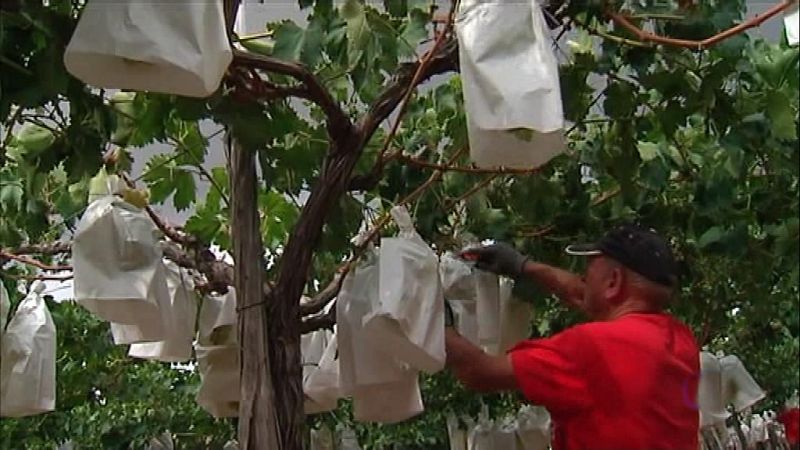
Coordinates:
[28,355]
[177,48]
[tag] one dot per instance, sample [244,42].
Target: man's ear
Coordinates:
[615,283]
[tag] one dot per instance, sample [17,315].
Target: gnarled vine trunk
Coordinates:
[258,418]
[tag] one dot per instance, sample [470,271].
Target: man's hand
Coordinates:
[499,258]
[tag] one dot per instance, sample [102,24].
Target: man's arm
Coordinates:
[564,284]
[504,259]
[475,369]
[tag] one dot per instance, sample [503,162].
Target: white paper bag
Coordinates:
[481,435]
[510,82]
[321,386]
[146,331]
[162,442]
[177,48]
[218,355]
[361,362]
[28,355]
[117,265]
[533,428]
[348,440]
[5,307]
[409,315]
[216,324]
[738,386]
[791,21]
[505,435]
[391,402]
[383,389]
[179,315]
[124,334]
[312,347]
[457,436]
[709,391]
[219,379]
[466,320]
[758,431]
[487,290]
[321,439]
[458,281]
[515,317]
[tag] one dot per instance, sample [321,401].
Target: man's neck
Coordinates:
[630,306]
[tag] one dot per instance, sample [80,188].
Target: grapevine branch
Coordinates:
[337,175]
[539,232]
[485,182]
[51,248]
[414,81]
[318,321]
[168,231]
[312,89]
[646,36]
[418,162]
[32,262]
[599,200]
[441,58]
[39,277]
[318,302]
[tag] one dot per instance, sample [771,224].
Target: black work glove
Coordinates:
[500,258]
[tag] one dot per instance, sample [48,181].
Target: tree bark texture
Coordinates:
[258,416]
[284,304]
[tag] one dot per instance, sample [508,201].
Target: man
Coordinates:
[625,380]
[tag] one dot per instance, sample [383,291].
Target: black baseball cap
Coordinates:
[638,248]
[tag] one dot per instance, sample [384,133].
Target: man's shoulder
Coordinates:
[628,328]
[628,325]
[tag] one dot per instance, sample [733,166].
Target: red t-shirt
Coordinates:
[630,383]
[790,419]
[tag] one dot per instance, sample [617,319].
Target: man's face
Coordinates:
[598,280]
